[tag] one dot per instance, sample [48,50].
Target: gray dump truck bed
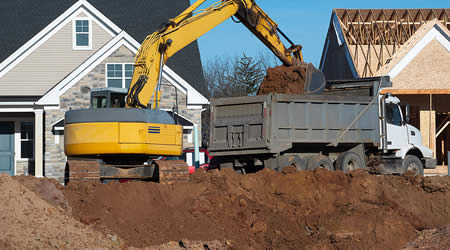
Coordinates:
[274,123]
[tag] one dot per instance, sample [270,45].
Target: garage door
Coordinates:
[7,147]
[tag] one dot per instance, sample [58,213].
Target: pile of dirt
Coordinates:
[197,245]
[319,209]
[284,80]
[27,221]
[225,210]
[49,190]
[431,239]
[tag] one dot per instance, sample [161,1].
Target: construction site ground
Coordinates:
[439,170]
[225,210]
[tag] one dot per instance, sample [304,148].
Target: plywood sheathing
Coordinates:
[374,35]
[412,41]
[430,69]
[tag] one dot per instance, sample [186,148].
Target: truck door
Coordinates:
[397,132]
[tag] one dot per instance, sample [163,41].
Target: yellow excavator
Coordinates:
[105,142]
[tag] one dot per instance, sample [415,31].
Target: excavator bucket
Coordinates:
[315,81]
[298,79]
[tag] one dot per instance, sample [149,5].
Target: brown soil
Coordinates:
[318,209]
[219,210]
[284,80]
[30,222]
[431,239]
[187,244]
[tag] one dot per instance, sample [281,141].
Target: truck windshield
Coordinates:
[393,115]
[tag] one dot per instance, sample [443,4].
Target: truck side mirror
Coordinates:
[408,113]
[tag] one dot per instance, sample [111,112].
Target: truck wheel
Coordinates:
[320,161]
[349,161]
[413,163]
[291,160]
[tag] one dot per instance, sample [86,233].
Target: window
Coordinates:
[26,140]
[82,34]
[99,102]
[393,115]
[118,100]
[119,75]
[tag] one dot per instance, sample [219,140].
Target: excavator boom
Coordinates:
[179,32]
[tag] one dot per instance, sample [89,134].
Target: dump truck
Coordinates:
[350,125]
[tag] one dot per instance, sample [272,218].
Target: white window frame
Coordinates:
[74,33]
[123,73]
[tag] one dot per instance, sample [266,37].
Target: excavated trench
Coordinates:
[221,209]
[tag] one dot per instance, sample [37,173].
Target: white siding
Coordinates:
[50,63]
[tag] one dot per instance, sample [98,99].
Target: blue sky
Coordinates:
[305,22]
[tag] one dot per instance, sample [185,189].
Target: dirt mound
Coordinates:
[49,190]
[27,221]
[197,245]
[319,209]
[431,239]
[284,80]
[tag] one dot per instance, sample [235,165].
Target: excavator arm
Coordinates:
[179,32]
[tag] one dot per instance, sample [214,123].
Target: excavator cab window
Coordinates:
[99,102]
[118,100]
[108,98]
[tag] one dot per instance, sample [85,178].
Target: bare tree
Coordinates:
[238,76]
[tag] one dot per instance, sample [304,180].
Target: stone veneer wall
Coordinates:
[24,167]
[76,98]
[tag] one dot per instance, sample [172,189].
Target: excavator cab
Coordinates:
[108,98]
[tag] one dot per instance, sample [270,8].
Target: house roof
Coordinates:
[22,20]
[373,36]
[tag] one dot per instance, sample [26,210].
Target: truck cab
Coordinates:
[403,139]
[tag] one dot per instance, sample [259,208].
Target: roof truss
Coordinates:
[374,35]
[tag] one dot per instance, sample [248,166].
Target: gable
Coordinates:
[373,36]
[430,69]
[121,40]
[422,64]
[50,62]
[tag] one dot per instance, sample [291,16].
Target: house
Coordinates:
[54,52]
[412,46]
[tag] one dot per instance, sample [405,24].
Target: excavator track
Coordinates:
[168,171]
[172,171]
[83,170]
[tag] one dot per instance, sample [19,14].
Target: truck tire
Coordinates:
[320,161]
[349,161]
[412,163]
[291,160]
